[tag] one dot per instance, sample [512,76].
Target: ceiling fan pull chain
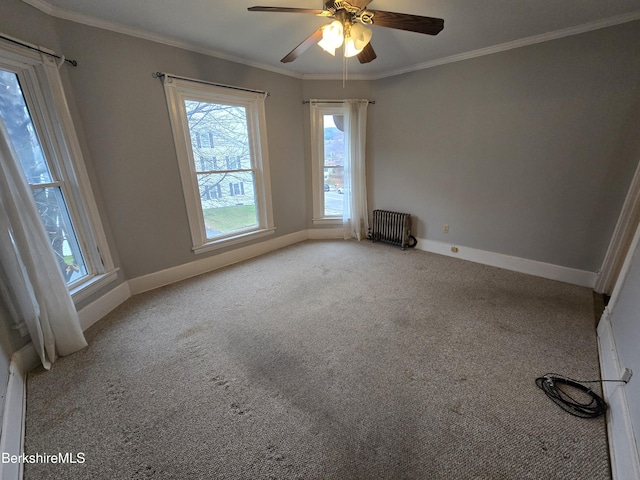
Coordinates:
[345,66]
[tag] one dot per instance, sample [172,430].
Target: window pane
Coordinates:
[15,115]
[333,196]
[219,136]
[55,216]
[333,140]
[223,160]
[49,200]
[220,143]
[333,164]
[228,202]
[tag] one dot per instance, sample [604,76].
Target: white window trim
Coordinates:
[318,110]
[177,90]
[44,93]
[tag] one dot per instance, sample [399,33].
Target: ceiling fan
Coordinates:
[348,27]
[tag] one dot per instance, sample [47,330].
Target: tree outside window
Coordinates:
[220,141]
[47,188]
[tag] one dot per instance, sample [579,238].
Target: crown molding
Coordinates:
[336,76]
[153,37]
[42,6]
[523,42]
[65,14]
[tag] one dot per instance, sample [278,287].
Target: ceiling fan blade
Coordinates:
[312,39]
[367,54]
[405,21]
[323,13]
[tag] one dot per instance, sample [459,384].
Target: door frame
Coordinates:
[621,239]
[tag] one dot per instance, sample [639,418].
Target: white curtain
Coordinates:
[33,288]
[355,213]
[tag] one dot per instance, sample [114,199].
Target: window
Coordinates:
[338,138]
[33,109]
[225,179]
[328,153]
[204,140]
[234,163]
[236,189]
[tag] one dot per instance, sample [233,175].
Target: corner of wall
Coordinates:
[625,458]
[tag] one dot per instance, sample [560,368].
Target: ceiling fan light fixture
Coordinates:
[327,48]
[358,38]
[332,37]
[348,14]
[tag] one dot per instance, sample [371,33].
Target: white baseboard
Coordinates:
[96,310]
[626,461]
[333,233]
[198,267]
[12,439]
[625,458]
[517,264]
[103,305]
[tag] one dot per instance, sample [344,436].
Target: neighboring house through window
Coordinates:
[220,138]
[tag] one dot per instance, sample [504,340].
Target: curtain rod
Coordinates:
[160,75]
[371,102]
[31,47]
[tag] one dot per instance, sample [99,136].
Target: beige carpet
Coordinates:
[327,360]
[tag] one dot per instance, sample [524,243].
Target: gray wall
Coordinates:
[24,22]
[121,116]
[126,124]
[527,152]
[29,24]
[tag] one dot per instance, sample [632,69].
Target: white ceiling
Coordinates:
[224,28]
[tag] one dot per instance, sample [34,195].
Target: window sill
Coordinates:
[93,284]
[225,242]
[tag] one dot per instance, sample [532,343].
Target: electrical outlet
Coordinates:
[626,375]
[445,228]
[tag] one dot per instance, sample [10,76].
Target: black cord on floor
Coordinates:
[557,388]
